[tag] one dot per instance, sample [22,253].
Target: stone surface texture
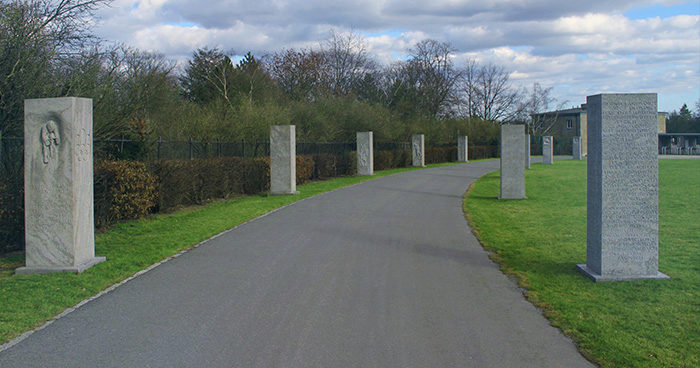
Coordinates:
[418,150]
[365,154]
[463,149]
[58,181]
[283,164]
[548,150]
[512,161]
[576,148]
[527,151]
[622,204]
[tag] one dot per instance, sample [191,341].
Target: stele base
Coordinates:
[74,269]
[600,278]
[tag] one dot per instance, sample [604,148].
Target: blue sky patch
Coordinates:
[689,8]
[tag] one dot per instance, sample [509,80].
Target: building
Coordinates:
[563,125]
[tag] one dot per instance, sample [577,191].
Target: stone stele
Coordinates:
[623,212]
[548,150]
[58,186]
[576,148]
[283,163]
[462,149]
[418,150]
[512,161]
[527,151]
[365,154]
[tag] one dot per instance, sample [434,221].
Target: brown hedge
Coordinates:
[123,190]
[188,182]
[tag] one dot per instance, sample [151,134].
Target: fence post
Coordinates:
[160,141]
[190,148]
[121,149]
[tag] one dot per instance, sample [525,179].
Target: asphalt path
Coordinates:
[381,274]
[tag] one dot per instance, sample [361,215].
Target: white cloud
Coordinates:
[577,47]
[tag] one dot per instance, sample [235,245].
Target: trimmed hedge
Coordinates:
[189,182]
[436,155]
[122,190]
[127,190]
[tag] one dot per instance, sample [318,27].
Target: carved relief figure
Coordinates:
[417,151]
[363,154]
[547,141]
[49,140]
[83,142]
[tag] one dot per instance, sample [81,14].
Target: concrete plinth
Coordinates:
[622,188]
[548,150]
[576,148]
[58,182]
[283,163]
[418,150]
[365,154]
[512,158]
[463,149]
[527,151]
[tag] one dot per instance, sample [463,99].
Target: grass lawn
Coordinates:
[27,301]
[651,323]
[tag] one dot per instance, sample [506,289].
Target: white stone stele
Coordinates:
[576,148]
[283,160]
[622,237]
[512,158]
[58,186]
[527,151]
[365,154]
[463,149]
[418,150]
[548,150]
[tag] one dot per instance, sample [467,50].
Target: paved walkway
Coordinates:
[381,274]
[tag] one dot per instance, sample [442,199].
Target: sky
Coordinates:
[578,48]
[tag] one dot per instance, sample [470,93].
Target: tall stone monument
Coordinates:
[548,150]
[527,151]
[463,149]
[576,148]
[58,186]
[418,150]
[623,213]
[365,154]
[512,158]
[283,160]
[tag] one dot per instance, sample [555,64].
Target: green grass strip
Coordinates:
[650,323]
[28,301]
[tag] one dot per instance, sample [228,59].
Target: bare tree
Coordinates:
[301,74]
[34,36]
[489,94]
[535,110]
[347,60]
[426,82]
[208,76]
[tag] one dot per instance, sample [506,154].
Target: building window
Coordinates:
[569,124]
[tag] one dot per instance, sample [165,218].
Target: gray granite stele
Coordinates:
[418,150]
[365,154]
[548,150]
[463,149]
[576,148]
[58,186]
[527,151]
[283,163]
[512,161]
[622,231]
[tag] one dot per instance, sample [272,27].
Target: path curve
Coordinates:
[381,274]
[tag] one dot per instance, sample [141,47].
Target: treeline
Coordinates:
[329,93]
[684,120]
